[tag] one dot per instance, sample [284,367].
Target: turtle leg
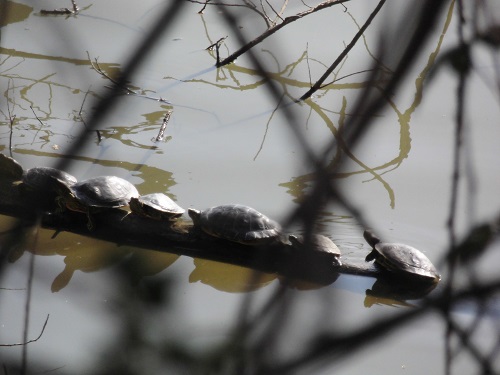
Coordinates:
[372,256]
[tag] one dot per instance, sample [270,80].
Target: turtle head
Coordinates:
[135,204]
[295,240]
[371,238]
[194,215]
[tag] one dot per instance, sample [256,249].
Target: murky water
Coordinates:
[227,144]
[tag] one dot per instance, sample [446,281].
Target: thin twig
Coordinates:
[80,115]
[161,133]
[40,121]
[32,340]
[27,310]
[204,6]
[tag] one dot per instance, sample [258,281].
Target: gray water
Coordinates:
[226,144]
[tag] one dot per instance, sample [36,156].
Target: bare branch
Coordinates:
[274,29]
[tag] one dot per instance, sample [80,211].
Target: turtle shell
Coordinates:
[47,179]
[156,206]
[237,223]
[401,258]
[104,191]
[318,243]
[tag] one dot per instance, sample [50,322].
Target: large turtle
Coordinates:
[319,244]
[237,223]
[156,206]
[401,259]
[98,193]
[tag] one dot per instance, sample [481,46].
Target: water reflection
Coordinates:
[228,277]
[393,292]
[88,258]
[88,255]
[14,12]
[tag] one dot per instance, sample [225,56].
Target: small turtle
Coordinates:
[156,206]
[402,259]
[237,223]
[98,193]
[318,243]
[47,179]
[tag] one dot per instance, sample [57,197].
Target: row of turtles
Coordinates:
[235,222]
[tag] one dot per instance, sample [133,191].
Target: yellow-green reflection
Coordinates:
[227,277]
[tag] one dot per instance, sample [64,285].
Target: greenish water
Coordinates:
[227,144]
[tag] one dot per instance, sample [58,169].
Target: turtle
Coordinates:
[237,223]
[319,244]
[401,259]
[156,206]
[47,179]
[97,193]
[41,187]
[11,174]
[10,168]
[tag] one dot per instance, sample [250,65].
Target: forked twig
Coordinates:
[217,45]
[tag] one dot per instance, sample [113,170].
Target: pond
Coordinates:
[228,140]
